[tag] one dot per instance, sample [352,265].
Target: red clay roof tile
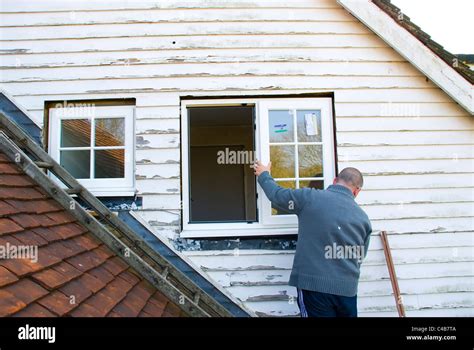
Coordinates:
[58,303]
[6,209]
[6,277]
[34,310]
[26,290]
[102,274]
[9,303]
[8,226]
[21,193]
[30,238]
[91,282]
[76,274]
[68,230]
[16,181]
[8,168]
[77,290]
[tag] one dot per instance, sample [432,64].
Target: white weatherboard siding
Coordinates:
[411,140]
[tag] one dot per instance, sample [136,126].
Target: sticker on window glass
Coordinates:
[311,124]
[280,128]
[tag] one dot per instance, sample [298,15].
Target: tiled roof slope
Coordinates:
[416,31]
[76,274]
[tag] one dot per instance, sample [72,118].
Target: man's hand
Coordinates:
[259,168]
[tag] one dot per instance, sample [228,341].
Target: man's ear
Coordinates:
[356,192]
[334,181]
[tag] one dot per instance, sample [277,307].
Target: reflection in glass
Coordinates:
[77,163]
[283,161]
[318,184]
[283,211]
[310,159]
[75,133]
[109,163]
[308,125]
[110,132]
[281,126]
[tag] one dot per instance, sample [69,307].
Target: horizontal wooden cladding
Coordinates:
[382,288]
[158,186]
[155,15]
[424,224]
[158,156]
[378,174]
[375,153]
[290,308]
[199,69]
[158,171]
[20,59]
[463,194]
[427,312]
[407,210]
[403,124]
[151,104]
[258,260]
[408,138]
[20,6]
[368,273]
[394,109]
[131,30]
[198,41]
[228,83]
[423,166]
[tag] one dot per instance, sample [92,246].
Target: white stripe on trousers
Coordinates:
[303,311]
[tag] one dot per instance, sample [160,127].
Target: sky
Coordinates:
[448,22]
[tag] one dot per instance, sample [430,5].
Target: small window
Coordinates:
[222,198]
[95,144]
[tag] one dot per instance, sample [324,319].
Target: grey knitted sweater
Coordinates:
[333,236]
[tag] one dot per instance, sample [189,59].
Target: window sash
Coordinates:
[327,143]
[99,186]
[266,225]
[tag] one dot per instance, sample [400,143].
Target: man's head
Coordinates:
[350,178]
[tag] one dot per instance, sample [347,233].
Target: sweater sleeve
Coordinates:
[284,198]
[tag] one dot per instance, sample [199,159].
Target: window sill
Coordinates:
[238,232]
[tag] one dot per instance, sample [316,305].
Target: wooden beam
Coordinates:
[393,275]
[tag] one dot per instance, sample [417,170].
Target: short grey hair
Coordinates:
[351,177]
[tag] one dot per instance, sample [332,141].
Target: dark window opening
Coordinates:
[222,183]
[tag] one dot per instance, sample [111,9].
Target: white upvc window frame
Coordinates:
[267,224]
[103,187]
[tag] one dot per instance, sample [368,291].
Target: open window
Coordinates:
[96,145]
[220,141]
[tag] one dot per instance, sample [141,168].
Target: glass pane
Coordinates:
[110,132]
[283,161]
[310,159]
[308,124]
[318,184]
[285,184]
[281,126]
[77,163]
[75,133]
[109,163]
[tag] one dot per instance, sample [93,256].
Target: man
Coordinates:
[332,229]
